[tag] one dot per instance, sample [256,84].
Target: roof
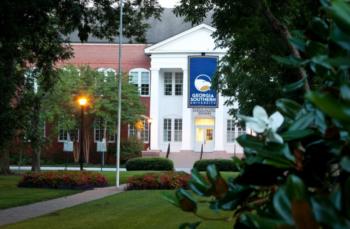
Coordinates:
[168,26]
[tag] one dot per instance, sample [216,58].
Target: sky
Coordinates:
[167,3]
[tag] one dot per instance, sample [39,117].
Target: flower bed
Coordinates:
[63,180]
[166,180]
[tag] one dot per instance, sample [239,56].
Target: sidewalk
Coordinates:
[54,168]
[17,214]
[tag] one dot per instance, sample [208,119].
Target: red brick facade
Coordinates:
[105,56]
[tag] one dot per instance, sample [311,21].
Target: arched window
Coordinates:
[140,77]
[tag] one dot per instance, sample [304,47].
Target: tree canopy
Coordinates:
[36,33]
[253,31]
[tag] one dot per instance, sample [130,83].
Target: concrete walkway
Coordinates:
[17,214]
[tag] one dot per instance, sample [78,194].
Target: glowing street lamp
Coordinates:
[83,102]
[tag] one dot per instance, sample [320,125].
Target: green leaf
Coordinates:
[297,43]
[294,190]
[189,225]
[289,61]
[254,221]
[340,11]
[303,122]
[198,184]
[288,107]
[346,198]
[292,135]
[325,213]
[186,201]
[294,86]
[329,105]
[345,91]
[212,173]
[340,38]
[320,27]
[345,163]
[250,142]
[171,199]
[314,48]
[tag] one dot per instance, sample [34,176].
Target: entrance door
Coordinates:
[205,137]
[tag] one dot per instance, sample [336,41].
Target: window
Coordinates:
[230,130]
[99,131]
[144,83]
[132,131]
[240,130]
[168,83]
[178,83]
[141,79]
[234,130]
[178,130]
[65,135]
[167,130]
[145,131]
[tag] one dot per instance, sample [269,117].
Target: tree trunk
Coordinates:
[4,161]
[281,29]
[36,136]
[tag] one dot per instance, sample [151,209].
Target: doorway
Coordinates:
[204,135]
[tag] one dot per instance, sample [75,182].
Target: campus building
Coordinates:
[173,72]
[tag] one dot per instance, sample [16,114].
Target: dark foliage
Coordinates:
[150,163]
[221,164]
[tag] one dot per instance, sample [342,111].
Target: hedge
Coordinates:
[221,164]
[63,180]
[165,180]
[149,163]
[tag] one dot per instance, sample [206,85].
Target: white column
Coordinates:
[219,125]
[154,109]
[186,116]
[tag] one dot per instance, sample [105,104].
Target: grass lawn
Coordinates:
[131,209]
[11,195]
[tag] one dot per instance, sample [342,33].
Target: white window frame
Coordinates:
[111,138]
[230,130]
[166,131]
[66,133]
[139,72]
[173,80]
[132,132]
[178,126]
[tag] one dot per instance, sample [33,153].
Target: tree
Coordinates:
[253,31]
[61,109]
[36,33]
[296,170]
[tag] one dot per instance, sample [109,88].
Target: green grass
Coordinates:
[11,195]
[131,209]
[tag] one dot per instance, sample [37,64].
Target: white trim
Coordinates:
[150,49]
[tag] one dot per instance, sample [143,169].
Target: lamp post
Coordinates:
[82,103]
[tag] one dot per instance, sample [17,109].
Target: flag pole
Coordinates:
[119,92]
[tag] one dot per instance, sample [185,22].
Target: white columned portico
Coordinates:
[154,109]
[186,116]
[219,125]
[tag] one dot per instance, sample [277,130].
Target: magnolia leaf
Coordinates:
[294,86]
[288,107]
[186,201]
[345,163]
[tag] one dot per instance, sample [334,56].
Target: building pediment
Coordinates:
[195,40]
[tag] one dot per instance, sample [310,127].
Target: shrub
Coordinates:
[221,164]
[296,172]
[63,180]
[166,180]
[149,163]
[130,148]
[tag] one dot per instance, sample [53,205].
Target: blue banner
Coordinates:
[201,72]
